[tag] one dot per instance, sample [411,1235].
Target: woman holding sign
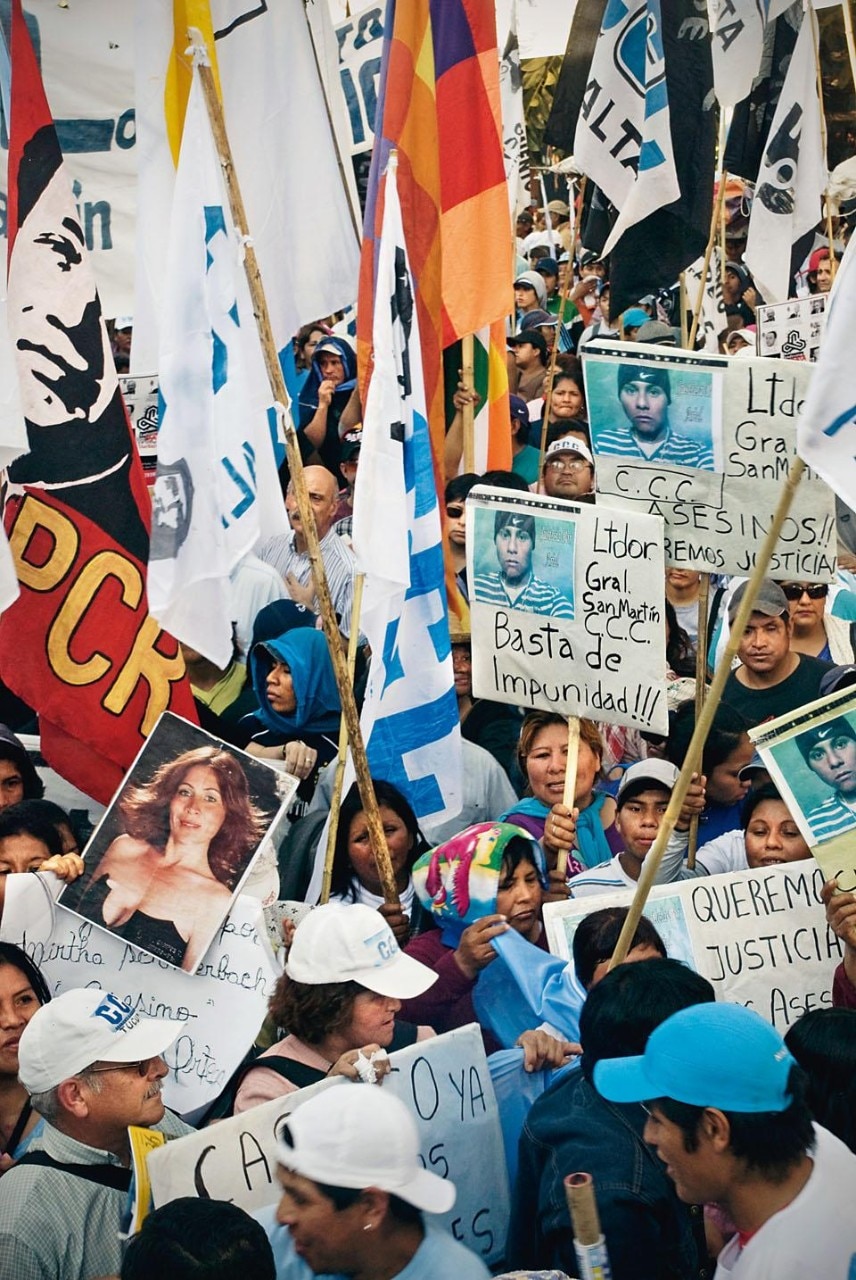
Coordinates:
[588,829]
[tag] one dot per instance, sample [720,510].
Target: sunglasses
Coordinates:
[454,513]
[796,590]
[142,1068]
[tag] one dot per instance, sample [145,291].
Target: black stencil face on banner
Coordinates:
[402,310]
[782,157]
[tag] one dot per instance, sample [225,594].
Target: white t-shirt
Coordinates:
[814,1237]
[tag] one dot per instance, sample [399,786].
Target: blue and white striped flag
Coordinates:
[826,428]
[623,140]
[216,492]
[410,714]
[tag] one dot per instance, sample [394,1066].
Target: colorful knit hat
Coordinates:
[459,880]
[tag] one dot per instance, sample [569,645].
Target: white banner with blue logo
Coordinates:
[216,491]
[410,715]
[623,141]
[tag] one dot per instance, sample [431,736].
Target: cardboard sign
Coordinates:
[760,937]
[223,1005]
[792,330]
[734,424]
[446,1085]
[178,842]
[566,608]
[811,756]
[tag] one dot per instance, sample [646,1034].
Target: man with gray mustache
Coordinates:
[92,1066]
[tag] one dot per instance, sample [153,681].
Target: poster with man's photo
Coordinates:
[792,330]
[707,442]
[811,757]
[179,842]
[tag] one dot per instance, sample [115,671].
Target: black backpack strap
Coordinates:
[297,1072]
[106,1175]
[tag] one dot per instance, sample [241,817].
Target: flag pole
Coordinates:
[568,795]
[338,781]
[339,159]
[468,412]
[304,506]
[824,139]
[703,724]
[700,691]
[718,206]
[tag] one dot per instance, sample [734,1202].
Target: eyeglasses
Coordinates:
[559,464]
[142,1068]
[454,513]
[814,591]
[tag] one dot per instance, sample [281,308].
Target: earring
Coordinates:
[367,1227]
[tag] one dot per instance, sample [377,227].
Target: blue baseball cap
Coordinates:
[710,1055]
[635,317]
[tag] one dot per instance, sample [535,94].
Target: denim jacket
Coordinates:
[649,1233]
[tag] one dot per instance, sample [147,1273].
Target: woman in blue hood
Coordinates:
[327,390]
[293,679]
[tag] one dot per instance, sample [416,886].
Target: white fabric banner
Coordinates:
[792,176]
[285,162]
[737,35]
[514,145]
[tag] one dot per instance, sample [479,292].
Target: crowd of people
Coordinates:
[708,1134]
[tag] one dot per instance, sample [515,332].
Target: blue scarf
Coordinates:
[305,651]
[591,837]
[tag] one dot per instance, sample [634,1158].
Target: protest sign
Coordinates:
[140,393]
[566,608]
[445,1084]
[811,756]
[716,477]
[792,330]
[760,937]
[178,841]
[222,1005]
[704,295]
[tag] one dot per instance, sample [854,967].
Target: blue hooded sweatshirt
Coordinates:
[318,706]
[328,450]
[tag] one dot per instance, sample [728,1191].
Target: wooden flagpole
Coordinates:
[468,412]
[304,506]
[700,691]
[568,795]
[703,724]
[716,218]
[848,35]
[338,781]
[551,372]
[811,16]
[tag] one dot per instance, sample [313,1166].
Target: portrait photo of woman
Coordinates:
[175,845]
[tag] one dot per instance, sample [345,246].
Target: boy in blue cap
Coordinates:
[727,1115]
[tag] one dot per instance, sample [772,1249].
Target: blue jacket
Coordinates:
[649,1233]
[318,706]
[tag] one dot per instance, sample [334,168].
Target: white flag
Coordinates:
[514,145]
[216,491]
[623,140]
[712,319]
[826,429]
[792,176]
[737,30]
[410,714]
[285,160]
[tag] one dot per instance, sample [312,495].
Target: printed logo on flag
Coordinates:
[639,56]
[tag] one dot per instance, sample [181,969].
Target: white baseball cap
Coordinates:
[85,1026]
[647,773]
[568,444]
[355,1137]
[352,943]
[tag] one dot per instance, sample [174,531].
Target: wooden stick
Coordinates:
[336,798]
[700,691]
[468,412]
[824,138]
[654,857]
[589,1244]
[714,224]
[355,222]
[682,303]
[570,780]
[551,372]
[304,506]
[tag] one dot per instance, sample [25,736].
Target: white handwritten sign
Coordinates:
[760,937]
[566,608]
[792,330]
[223,1005]
[738,419]
[446,1085]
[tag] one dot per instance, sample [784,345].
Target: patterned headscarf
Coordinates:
[459,880]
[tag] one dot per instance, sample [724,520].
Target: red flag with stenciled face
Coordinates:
[78,645]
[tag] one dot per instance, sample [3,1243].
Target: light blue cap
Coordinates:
[710,1055]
